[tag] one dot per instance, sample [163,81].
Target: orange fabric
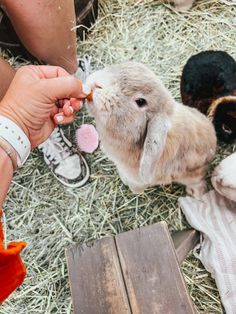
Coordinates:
[12,269]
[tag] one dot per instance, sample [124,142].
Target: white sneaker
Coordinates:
[65,162]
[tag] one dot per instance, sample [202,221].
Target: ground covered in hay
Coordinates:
[49,217]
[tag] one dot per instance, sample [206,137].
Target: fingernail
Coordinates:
[86,89]
[71,109]
[59,119]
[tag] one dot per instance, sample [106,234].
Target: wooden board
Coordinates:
[184,241]
[136,272]
[96,280]
[151,272]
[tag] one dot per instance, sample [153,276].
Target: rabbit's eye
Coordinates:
[141,102]
[226,129]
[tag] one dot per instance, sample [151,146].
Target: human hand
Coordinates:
[32,96]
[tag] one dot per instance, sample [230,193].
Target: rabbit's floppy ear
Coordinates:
[154,144]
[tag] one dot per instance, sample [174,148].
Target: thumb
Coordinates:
[63,87]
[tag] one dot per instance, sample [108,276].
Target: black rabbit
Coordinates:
[208,76]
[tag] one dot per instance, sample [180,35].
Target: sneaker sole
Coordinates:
[80,183]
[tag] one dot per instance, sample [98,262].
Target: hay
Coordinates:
[50,217]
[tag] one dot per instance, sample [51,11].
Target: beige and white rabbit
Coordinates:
[183,5]
[150,137]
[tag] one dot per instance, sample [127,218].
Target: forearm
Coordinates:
[6,173]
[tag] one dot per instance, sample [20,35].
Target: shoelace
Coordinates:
[55,149]
[84,69]
[87,65]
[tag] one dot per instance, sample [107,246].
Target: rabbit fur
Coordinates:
[207,76]
[150,137]
[224,177]
[208,83]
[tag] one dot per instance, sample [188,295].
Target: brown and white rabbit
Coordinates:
[150,137]
[183,5]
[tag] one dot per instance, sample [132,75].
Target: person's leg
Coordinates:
[6,74]
[44,27]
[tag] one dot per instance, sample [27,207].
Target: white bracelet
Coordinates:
[15,136]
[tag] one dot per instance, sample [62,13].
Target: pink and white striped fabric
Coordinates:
[215,217]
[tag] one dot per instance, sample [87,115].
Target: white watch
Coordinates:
[15,136]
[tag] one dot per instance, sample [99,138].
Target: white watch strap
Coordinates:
[15,136]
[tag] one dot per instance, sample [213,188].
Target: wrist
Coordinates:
[14,141]
[10,114]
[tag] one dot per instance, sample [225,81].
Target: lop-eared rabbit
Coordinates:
[150,137]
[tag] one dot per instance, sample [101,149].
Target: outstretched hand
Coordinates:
[35,96]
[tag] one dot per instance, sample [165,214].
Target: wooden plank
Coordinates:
[151,272]
[96,279]
[184,241]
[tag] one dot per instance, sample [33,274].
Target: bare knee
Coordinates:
[46,29]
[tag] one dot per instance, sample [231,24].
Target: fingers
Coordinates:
[67,109]
[63,87]
[48,72]
[57,83]
[76,104]
[66,114]
[71,105]
[60,118]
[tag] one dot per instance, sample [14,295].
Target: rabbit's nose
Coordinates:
[93,84]
[99,80]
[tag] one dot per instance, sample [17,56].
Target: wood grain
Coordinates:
[184,241]
[151,272]
[96,279]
